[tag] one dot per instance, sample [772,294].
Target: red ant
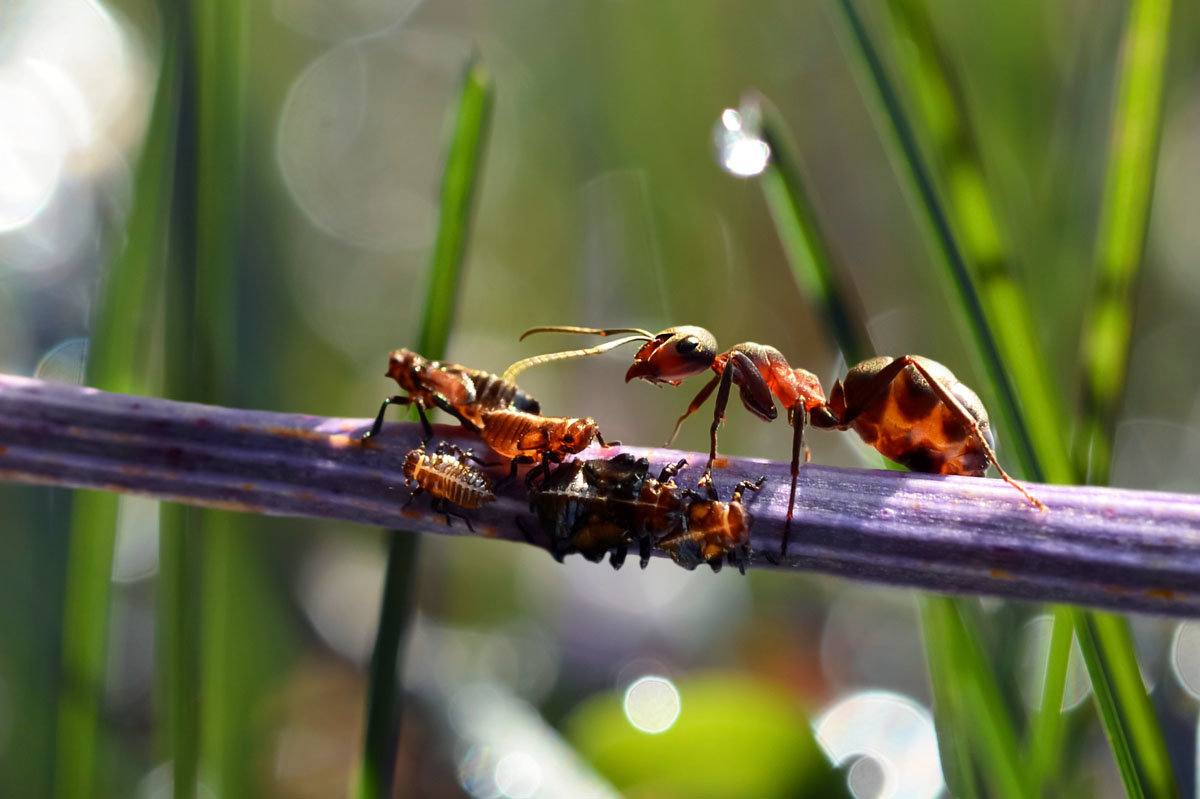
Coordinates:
[911,409]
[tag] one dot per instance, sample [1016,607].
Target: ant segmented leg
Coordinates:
[718,419]
[798,426]
[617,558]
[695,405]
[378,424]
[644,546]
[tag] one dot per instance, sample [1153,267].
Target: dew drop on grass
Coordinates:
[740,149]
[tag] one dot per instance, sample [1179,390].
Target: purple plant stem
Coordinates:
[1129,550]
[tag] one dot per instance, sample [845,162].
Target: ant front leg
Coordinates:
[396,400]
[695,405]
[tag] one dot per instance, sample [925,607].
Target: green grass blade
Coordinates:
[464,164]
[949,705]
[944,119]
[460,179]
[942,116]
[1129,719]
[116,362]
[800,232]
[966,688]
[919,181]
[969,701]
[1120,239]
[1045,739]
[218,36]
[1140,751]
[1108,656]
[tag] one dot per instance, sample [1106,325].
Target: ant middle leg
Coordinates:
[798,425]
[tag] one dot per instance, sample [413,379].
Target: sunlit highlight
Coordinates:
[740,151]
[652,704]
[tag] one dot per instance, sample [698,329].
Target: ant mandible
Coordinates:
[911,409]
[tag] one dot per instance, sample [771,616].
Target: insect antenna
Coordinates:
[587,331]
[522,365]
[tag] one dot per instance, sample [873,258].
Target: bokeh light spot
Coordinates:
[1185,657]
[652,704]
[518,776]
[892,730]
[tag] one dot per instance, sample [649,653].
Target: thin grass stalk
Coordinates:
[944,118]
[1109,656]
[1130,722]
[464,162]
[918,180]
[219,29]
[949,706]
[799,230]
[116,362]
[964,706]
[1044,742]
[179,603]
[1121,235]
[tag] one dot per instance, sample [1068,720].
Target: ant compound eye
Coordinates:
[568,439]
[686,345]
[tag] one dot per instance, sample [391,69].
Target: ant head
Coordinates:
[674,355]
[402,364]
[575,436]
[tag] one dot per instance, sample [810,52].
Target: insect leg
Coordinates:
[696,402]
[718,418]
[966,418]
[378,425]
[671,469]
[798,425]
[617,558]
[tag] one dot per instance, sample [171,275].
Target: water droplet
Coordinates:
[740,148]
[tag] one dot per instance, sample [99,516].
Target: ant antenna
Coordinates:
[587,331]
[522,365]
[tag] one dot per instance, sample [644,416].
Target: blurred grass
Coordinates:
[117,361]
[1045,455]
[813,264]
[970,715]
[1130,722]
[464,162]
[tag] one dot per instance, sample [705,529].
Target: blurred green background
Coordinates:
[601,202]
